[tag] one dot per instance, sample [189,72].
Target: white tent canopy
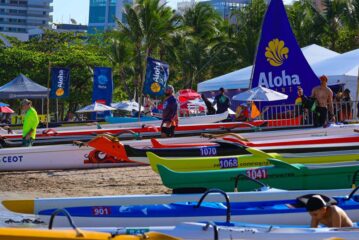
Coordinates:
[342,69]
[95,107]
[128,106]
[240,78]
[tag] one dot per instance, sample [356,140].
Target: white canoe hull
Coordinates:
[203,119]
[199,231]
[98,221]
[41,204]
[297,218]
[53,157]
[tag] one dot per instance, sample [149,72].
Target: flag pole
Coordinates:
[48,95]
[357,97]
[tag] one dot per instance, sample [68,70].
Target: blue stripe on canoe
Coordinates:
[186,209]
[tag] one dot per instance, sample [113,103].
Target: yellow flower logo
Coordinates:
[155,87]
[276,53]
[60,92]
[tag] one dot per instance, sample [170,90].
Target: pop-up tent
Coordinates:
[342,69]
[240,79]
[22,87]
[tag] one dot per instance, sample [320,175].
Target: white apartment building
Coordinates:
[24,18]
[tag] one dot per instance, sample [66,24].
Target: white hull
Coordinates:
[193,120]
[302,218]
[198,231]
[44,204]
[50,158]
[266,195]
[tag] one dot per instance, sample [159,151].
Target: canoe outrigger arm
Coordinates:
[281,164]
[263,186]
[228,212]
[68,216]
[235,135]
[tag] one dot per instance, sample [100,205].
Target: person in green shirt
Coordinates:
[31,121]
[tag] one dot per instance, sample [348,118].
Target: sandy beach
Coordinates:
[92,182]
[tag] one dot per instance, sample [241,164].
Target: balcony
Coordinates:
[22,24]
[25,6]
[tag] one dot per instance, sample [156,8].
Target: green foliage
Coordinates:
[197,45]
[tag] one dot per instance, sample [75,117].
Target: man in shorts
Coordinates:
[324,99]
[169,115]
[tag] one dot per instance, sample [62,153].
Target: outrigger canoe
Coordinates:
[255,158]
[56,157]
[244,231]
[42,234]
[281,175]
[285,211]
[312,144]
[112,146]
[262,193]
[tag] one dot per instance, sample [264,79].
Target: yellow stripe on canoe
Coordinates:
[257,158]
[20,206]
[41,234]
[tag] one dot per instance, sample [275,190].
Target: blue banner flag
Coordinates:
[102,87]
[156,78]
[60,82]
[280,64]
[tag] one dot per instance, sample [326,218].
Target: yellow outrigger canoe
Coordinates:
[255,159]
[45,234]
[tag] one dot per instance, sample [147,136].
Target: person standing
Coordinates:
[222,101]
[147,105]
[324,99]
[210,108]
[346,106]
[169,115]
[31,121]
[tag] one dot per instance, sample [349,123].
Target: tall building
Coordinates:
[318,4]
[225,7]
[24,18]
[184,5]
[104,12]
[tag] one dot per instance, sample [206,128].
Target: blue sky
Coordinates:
[78,10]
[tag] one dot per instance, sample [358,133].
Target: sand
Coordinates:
[92,182]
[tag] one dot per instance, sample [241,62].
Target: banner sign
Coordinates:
[157,73]
[102,88]
[60,82]
[280,64]
[102,85]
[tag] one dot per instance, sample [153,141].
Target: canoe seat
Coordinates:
[302,200]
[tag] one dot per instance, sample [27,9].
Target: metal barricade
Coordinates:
[287,115]
[292,115]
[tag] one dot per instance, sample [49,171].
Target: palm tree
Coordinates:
[120,53]
[244,34]
[334,17]
[149,24]
[306,23]
[201,25]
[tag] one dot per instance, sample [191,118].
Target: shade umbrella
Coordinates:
[95,107]
[260,94]
[126,106]
[5,109]
[187,94]
[3,104]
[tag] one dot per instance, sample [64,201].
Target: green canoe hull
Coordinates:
[281,175]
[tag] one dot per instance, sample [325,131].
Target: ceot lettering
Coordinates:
[11,159]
